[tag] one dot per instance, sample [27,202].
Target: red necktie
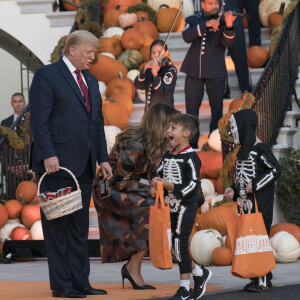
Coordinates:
[84,89]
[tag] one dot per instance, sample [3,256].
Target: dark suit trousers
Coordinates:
[66,237]
[194,91]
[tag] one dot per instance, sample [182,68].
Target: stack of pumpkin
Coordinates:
[20,218]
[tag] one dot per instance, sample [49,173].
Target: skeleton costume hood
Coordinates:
[243,128]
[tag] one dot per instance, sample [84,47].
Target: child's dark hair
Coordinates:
[187,121]
[158,42]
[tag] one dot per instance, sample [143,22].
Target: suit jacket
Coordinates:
[8,121]
[60,122]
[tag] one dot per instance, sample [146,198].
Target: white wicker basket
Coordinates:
[61,206]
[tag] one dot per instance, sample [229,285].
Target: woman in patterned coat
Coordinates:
[124,216]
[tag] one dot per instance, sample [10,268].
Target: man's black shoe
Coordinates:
[68,293]
[92,291]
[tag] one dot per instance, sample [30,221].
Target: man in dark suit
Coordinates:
[68,131]
[18,103]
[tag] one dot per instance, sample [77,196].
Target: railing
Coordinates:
[14,163]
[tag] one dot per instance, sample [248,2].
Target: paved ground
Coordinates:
[284,274]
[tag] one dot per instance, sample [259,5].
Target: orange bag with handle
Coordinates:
[160,237]
[250,244]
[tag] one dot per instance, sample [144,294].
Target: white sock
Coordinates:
[197,271]
[185,283]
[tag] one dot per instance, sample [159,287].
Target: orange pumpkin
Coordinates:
[274,19]
[147,28]
[114,114]
[107,68]
[142,15]
[219,185]
[145,50]
[148,40]
[1,249]
[257,56]
[165,18]
[221,256]
[111,45]
[216,218]
[14,208]
[111,17]
[211,163]
[30,214]
[124,4]
[3,215]
[27,190]
[293,229]
[20,234]
[236,103]
[142,66]
[73,6]
[133,39]
[122,86]
[123,100]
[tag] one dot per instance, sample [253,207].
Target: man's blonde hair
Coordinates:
[79,38]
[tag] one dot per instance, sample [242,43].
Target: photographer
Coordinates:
[158,77]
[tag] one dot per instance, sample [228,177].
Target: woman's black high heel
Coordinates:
[126,274]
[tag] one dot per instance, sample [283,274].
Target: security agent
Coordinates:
[205,62]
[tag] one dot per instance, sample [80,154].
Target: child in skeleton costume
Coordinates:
[257,169]
[179,170]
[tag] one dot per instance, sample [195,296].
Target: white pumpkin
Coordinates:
[187,8]
[108,54]
[214,141]
[155,4]
[203,243]
[208,187]
[127,20]
[17,220]
[286,248]
[268,6]
[102,87]
[36,230]
[110,135]
[204,207]
[213,199]
[141,94]
[112,31]
[132,74]
[5,231]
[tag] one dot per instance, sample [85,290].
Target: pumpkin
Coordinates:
[14,208]
[203,138]
[132,74]
[5,231]
[20,234]
[165,18]
[124,4]
[148,41]
[114,114]
[108,54]
[142,66]
[212,162]
[203,244]
[214,141]
[204,207]
[30,214]
[123,100]
[221,256]
[187,8]
[110,135]
[275,18]
[27,190]
[213,199]
[207,187]
[268,6]
[147,28]
[132,39]
[141,95]
[102,87]
[142,15]
[111,17]
[145,50]
[127,20]
[286,248]
[113,31]
[155,4]
[106,68]
[216,218]
[245,19]
[293,229]
[71,5]
[36,230]
[131,59]
[236,103]
[111,45]
[1,249]
[257,56]
[121,86]
[219,186]
[3,215]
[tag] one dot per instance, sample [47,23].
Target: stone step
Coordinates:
[286,135]
[35,6]
[291,118]
[61,19]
